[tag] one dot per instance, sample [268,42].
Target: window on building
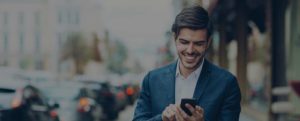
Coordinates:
[59,39]
[37,41]
[5,18]
[5,48]
[5,42]
[37,18]
[60,16]
[77,17]
[69,16]
[21,18]
[21,39]
[39,64]
[72,17]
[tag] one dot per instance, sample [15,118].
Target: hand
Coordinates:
[197,114]
[169,113]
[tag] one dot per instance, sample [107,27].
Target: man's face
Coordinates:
[191,46]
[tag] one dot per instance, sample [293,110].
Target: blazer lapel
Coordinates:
[169,82]
[202,80]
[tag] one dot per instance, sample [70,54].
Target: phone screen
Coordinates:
[190,101]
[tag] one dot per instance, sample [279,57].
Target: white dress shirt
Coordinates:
[185,87]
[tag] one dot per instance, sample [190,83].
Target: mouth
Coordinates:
[190,58]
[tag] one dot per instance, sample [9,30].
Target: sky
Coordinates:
[140,24]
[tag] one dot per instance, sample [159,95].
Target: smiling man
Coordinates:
[215,91]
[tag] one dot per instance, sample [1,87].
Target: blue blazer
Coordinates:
[217,91]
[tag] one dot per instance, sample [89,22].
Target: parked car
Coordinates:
[65,94]
[120,97]
[132,92]
[22,102]
[104,95]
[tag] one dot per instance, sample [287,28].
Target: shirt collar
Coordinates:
[195,73]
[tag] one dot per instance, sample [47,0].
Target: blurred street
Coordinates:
[127,114]
[244,117]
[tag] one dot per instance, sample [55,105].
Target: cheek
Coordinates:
[201,50]
[180,48]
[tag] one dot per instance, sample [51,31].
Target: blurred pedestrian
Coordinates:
[215,90]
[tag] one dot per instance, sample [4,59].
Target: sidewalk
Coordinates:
[244,117]
[250,114]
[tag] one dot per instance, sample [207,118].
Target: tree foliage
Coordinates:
[76,48]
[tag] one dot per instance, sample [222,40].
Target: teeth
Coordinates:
[190,57]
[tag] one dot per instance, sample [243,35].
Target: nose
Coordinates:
[190,48]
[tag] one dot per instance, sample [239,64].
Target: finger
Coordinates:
[173,108]
[166,113]
[170,112]
[183,114]
[179,115]
[199,109]
[164,116]
[191,108]
[199,113]
[171,115]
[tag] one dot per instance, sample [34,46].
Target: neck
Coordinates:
[186,71]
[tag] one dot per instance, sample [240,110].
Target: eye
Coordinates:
[200,43]
[183,41]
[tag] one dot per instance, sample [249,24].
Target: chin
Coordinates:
[190,66]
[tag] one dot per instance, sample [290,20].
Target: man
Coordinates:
[191,76]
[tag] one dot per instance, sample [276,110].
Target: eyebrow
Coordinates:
[198,41]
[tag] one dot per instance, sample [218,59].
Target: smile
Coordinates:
[190,57]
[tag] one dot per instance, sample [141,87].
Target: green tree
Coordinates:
[76,48]
[96,54]
[119,54]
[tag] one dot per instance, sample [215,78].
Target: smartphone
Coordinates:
[190,101]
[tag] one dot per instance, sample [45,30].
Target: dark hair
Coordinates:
[194,17]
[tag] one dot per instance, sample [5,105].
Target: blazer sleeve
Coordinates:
[143,111]
[231,108]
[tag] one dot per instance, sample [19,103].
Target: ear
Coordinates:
[174,36]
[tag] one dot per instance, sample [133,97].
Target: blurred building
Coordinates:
[292,47]
[32,31]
